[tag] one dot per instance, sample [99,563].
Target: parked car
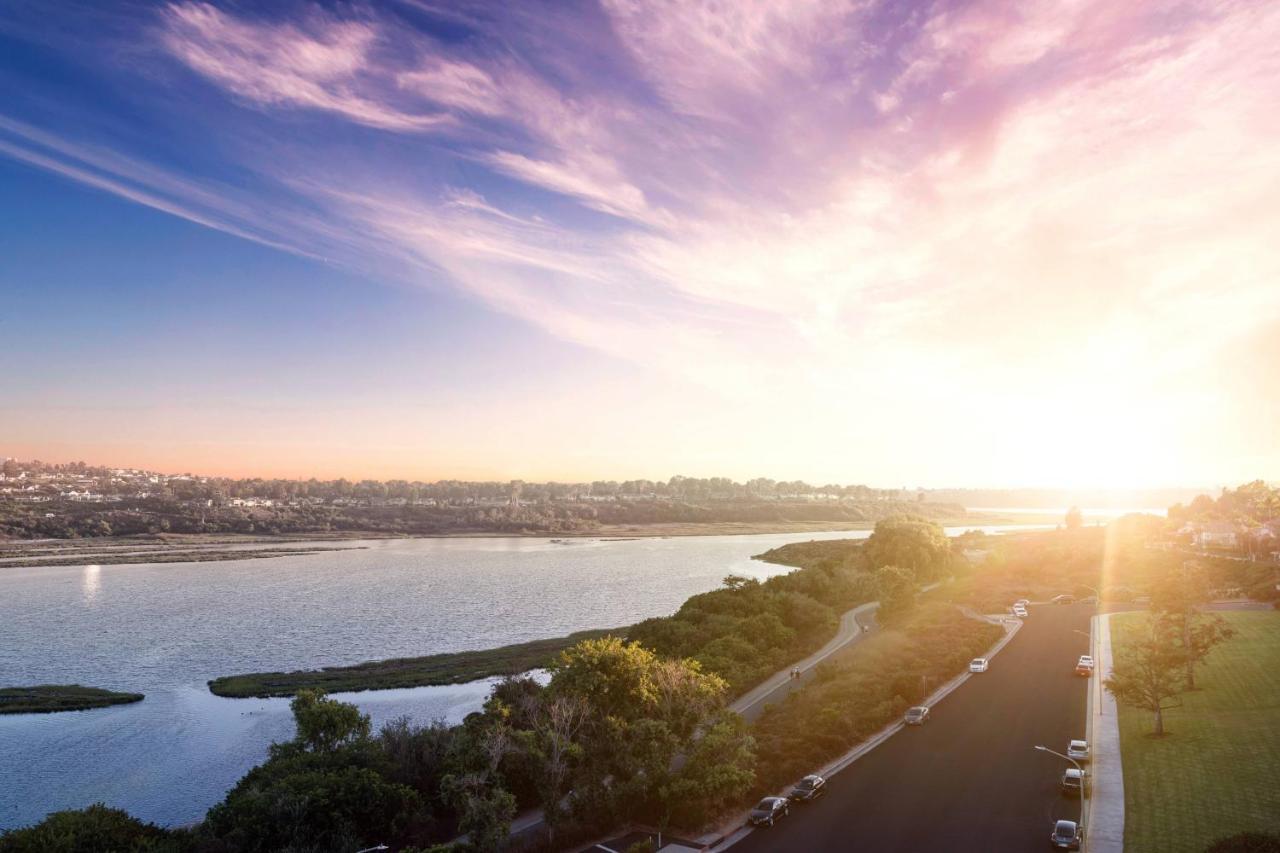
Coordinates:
[1073,781]
[979,665]
[1066,835]
[917,716]
[1079,750]
[769,811]
[1020,612]
[1084,666]
[1064,599]
[809,788]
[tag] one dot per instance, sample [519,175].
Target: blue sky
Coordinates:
[925,242]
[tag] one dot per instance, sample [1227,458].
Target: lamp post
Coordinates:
[1078,767]
[373,849]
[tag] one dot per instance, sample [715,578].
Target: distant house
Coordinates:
[1218,534]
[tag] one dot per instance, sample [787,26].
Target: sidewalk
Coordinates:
[751,703]
[1104,830]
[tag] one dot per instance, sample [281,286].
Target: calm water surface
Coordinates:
[165,629]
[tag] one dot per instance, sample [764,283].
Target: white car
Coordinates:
[1086,660]
[1079,750]
[1020,612]
[978,665]
[1022,602]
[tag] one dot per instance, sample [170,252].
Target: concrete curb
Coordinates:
[1104,829]
[733,836]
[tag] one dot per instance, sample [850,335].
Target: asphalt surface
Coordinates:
[969,780]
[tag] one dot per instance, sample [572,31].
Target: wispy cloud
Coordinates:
[744,191]
[324,65]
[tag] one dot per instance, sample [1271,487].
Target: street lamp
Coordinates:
[1083,782]
[372,849]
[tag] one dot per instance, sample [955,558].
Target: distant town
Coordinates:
[40,500]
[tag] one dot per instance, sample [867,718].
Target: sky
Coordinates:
[895,243]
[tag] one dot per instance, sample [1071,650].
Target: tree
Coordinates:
[718,770]
[553,742]
[484,810]
[739,582]
[324,725]
[310,801]
[912,543]
[612,675]
[94,828]
[1146,675]
[1175,602]
[1074,519]
[896,591]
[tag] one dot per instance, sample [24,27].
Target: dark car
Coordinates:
[1066,835]
[769,811]
[808,788]
[917,716]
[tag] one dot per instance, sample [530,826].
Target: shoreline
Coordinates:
[195,548]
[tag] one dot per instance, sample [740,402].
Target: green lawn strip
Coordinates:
[48,698]
[1217,770]
[449,668]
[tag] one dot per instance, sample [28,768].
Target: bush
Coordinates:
[96,828]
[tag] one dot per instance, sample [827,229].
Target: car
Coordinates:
[917,716]
[1087,660]
[1078,749]
[1066,835]
[769,811]
[1073,781]
[1064,599]
[1084,669]
[1022,602]
[1020,612]
[979,665]
[809,788]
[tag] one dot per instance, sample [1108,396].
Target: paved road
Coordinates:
[969,780]
[778,686]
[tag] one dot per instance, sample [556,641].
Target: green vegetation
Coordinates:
[748,630]
[1217,771]
[865,688]
[49,698]
[450,668]
[92,829]
[1161,665]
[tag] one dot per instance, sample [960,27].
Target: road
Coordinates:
[970,779]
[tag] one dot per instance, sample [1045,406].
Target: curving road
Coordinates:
[970,779]
[777,686]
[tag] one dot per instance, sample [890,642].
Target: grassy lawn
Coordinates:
[1217,770]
